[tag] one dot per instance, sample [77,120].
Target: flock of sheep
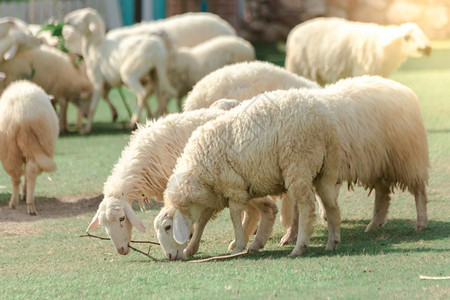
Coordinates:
[249,132]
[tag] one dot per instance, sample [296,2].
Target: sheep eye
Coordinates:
[167,228]
[407,37]
[122,219]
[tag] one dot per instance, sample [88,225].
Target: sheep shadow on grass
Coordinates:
[48,208]
[396,236]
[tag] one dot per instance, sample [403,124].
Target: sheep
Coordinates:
[143,169]
[357,48]
[384,143]
[28,134]
[187,30]
[123,60]
[15,36]
[278,142]
[242,81]
[55,72]
[189,65]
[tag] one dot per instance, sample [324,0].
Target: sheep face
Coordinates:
[415,42]
[118,218]
[172,229]
[86,21]
[72,39]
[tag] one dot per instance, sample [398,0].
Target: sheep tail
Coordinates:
[45,163]
[35,143]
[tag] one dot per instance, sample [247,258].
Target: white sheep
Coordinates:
[189,65]
[143,170]
[127,60]
[384,143]
[55,72]
[242,81]
[187,30]
[15,36]
[328,49]
[278,142]
[28,134]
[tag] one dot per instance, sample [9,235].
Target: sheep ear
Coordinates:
[11,52]
[180,230]
[133,218]
[94,222]
[94,29]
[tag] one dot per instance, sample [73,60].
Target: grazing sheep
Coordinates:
[242,81]
[357,48]
[55,72]
[28,133]
[144,168]
[15,36]
[384,143]
[277,142]
[187,30]
[129,60]
[191,64]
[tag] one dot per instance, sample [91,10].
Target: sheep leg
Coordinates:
[24,189]
[164,88]
[92,107]
[199,226]
[250,223]
[63,127]
[15,180]
[322,210]
[125,103]
[420,197]
[141,94]
[381,206]
[269,211]
[32,170]
[235,214]
[289,219]
[306,205]
[327,191]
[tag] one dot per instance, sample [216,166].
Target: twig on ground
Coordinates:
[422,277]
[218,257]
[107,239]
[135,249]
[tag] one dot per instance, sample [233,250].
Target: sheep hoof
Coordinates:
[373,226]
[288,238]
[332,245]
[238,250]
[12,205]
[232,245]
[254,247]
[31,209]
[298,252]
[421,226]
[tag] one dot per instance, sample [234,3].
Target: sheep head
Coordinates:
[86,21]
[118,218]
[15,35]
[413,41]
[172,229]
[72,39]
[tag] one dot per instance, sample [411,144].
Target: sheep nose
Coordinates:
[426,51]
[123,251]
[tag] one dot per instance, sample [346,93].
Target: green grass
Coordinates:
[46,258]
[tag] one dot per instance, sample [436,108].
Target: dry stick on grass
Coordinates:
[218,257]
[135,249]
[433,277]
[154,243]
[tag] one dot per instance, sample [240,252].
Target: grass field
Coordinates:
[44,257]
